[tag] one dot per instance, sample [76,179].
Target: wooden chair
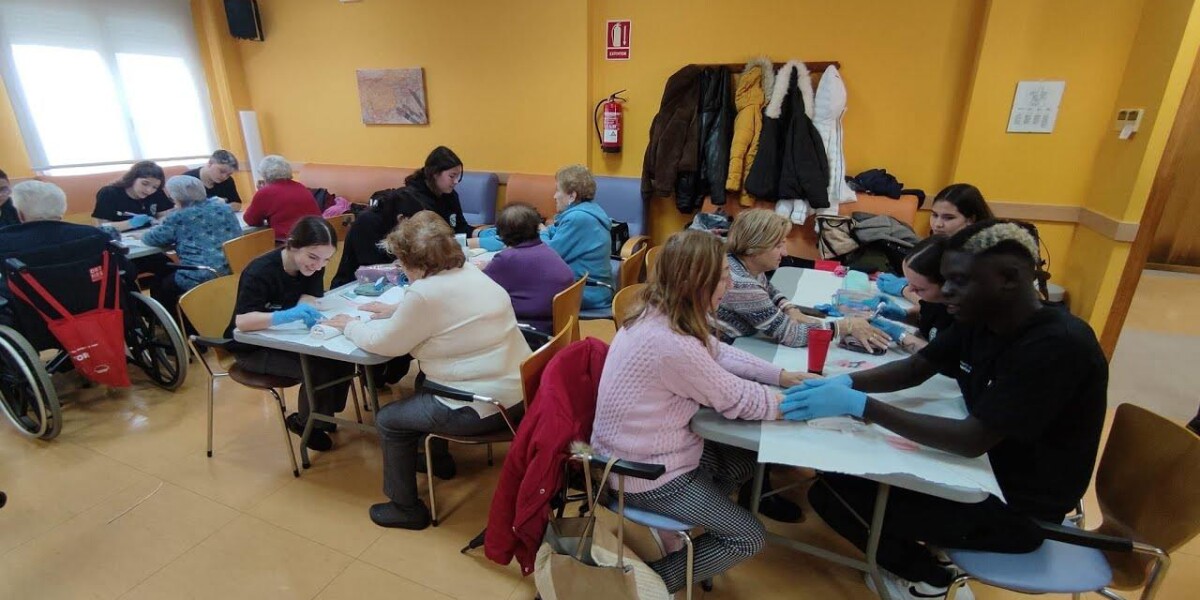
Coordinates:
[341,224]
[531,372]
[241,250]
[632,268]
[566,306]
[651,260]
[1150,502]
[623,302]
[332,266]
[209,307]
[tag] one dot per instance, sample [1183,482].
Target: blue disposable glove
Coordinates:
[489,240]
[829,310]
[138,221]
[824,401]
[891,310]
[890,284]
[842,380]
[299,312]
[892,328]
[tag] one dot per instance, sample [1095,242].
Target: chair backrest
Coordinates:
[631,268]
[355,183]
[331,267]
[534,364]
[1147,487]
[566,305]
[536,190]
[340,224]
[623,302]
[621,198]
[651,260]
[241,250]
[477,195]
[209,306]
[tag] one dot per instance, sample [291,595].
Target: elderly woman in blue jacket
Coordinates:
[581,233]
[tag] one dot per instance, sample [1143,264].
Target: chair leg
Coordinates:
[691,559]
[429,477]
[211,384]
[958,582]
[490,462]
[287,435]
[354,398]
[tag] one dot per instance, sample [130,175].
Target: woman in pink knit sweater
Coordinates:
[664,364]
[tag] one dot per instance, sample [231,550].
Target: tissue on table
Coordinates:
[389,271]
[324,332]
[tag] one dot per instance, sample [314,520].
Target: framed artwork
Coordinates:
[393,96]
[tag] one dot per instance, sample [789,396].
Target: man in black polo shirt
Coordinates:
[217,177]
[1035,383]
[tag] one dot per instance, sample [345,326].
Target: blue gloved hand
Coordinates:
[890,284]
[891,310]
[828,309]
[489,240]
[842,380]
[824,401]
[892,328]
[299,312]
[138,221]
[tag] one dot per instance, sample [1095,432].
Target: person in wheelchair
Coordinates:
[40,208]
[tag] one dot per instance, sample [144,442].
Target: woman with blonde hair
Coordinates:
[460,325]
[757,244]
[664,364]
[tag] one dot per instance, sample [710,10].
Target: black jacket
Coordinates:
[714,134]
[446,205]
[791,163]
[674,143]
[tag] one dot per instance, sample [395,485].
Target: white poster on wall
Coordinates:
[1035,106]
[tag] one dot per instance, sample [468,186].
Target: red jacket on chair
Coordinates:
[562,412]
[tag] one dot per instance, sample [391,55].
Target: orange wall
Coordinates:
[14,160]
[505,81]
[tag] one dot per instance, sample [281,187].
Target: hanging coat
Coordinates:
[830,101]
[750,96]
[791,167]
[674,135]
[714,130]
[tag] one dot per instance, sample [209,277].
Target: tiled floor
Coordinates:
[124,504]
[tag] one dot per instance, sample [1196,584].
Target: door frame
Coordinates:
[1169,167]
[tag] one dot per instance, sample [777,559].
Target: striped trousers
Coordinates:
[701,498]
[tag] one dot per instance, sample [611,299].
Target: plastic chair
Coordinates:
[531,371]
[651,260]
[241,250]
[1150,502]
[208,307]
[566,306]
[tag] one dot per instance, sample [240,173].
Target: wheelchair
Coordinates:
[30,354]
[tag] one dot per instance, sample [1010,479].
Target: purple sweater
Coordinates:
[655,380]
[532,273]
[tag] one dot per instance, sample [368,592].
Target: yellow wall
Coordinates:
[14,160]
[506,81]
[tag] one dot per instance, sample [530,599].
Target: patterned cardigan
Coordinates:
[754,306]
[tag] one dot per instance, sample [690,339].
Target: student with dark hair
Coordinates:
[8,212]
[282,286]
[133,200]
[364,240]
[922,272]
[433,185]
[529,270]
[1035,383]
[217,177]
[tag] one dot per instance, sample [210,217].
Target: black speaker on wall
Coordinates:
[244,22]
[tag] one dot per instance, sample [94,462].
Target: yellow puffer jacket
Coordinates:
[749,98]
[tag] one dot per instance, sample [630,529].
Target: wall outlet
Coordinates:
[1129,116]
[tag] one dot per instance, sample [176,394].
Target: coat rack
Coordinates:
[815,67]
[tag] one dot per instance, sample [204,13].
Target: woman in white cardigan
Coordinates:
[460,326]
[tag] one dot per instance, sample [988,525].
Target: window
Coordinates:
[105,83]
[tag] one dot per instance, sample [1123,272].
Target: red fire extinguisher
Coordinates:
[610,136]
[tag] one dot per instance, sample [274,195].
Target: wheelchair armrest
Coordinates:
[630,468]
[531,331]
[598,283]
[211,342]
[15,265]
[446,391]
[174,266]
[1082,537]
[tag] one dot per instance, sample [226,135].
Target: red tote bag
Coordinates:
[94,339]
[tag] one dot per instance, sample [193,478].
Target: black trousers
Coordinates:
[327,401]
[912,518]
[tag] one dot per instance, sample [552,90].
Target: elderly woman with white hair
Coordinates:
[197,229]
[280,201]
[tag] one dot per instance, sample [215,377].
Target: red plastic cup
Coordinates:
[827,265]
[818,348]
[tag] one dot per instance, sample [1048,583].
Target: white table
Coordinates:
[292,339]
[809,287]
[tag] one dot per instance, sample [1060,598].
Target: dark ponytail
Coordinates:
[926,258]
[441,159]
[311,231]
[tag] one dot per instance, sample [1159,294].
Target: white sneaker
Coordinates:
[901,589]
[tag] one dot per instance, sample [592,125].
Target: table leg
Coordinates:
[881,498]
[756,490]
[306,377]
[372,390]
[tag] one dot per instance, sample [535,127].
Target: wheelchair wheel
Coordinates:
[155,343]
[28,397]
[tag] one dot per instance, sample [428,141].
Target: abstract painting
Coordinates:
[392,96]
